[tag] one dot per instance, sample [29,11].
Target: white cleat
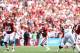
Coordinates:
[47,49]
[13,50]
[58,50]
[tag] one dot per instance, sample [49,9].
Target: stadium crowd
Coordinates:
[29,16]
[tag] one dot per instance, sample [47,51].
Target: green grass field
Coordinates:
[24,49]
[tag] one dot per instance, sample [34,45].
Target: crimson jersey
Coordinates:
[44,32]
[9,28]
[77,30]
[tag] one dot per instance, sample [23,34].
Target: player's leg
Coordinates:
[72,41]
[46,45]
[6,40]
[72,38]
[78,48]
[68,36]
[63,41]
[12,39]
[62,44]
[43,42]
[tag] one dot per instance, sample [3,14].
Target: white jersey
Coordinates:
[68,37]
[68,31]
[78,39]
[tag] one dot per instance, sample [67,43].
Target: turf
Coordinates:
[24,49]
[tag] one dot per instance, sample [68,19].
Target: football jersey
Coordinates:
[8,27]
[78,39]
[77,30]
[44,32]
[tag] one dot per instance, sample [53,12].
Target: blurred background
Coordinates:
[31,15]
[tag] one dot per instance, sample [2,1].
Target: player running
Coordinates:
[68,37]
[44,33]
[9,34]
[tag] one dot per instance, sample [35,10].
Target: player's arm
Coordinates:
[47,36]
[14,28]
[61,33]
